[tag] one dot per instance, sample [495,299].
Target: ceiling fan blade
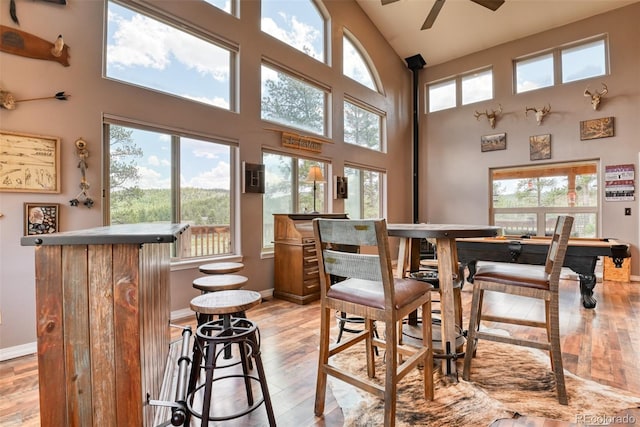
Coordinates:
[387,1]
[433,14]
[489,4]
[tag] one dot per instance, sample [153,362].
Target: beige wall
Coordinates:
[82,23]
[454,172]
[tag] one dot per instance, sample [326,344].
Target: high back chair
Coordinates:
[369,290]
[529,281]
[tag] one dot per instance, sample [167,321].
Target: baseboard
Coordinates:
[18,351]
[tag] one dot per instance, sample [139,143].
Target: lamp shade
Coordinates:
[315,174]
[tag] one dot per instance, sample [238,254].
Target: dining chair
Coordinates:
[369,290]
[529,281]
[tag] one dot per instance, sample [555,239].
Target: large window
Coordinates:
[364,193]
[288,190]
[297,23]
[290,101]
[564,64]
[159,176]
[362,127]
[146,52]
[527,200]
[473,87]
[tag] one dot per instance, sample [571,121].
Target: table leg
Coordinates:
[447,256]
[587,283]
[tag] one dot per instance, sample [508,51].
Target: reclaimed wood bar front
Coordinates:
[102,304]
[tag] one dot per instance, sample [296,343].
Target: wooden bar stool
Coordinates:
[221,267]
[215,337]
[219,282]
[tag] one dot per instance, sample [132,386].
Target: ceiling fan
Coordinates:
[435,9]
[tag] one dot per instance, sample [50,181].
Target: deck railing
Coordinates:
[204,240]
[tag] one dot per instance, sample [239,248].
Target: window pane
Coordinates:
[534,73]
[584,224]
[364,193]
[146,52]
[584,61]
[477,87]
[278,192]
[354,65]
[292,102]
[224,5]
[442,95]
[296,23]
[139,175]
[361,127]
[517,224]
[205,198]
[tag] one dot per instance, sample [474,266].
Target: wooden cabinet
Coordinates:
[296,265]
[102,301]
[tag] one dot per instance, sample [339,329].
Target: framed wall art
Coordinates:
[342,187]
[540,147]
[493,142]
[596,128]
[252,178]
[40,218]
[30,163]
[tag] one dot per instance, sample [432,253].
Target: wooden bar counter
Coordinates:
[102,305]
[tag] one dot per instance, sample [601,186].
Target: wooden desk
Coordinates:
[582,255]
[409,260]
[102,304]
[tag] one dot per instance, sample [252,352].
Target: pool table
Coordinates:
[581,257]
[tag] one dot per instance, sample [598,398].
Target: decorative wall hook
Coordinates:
[491,116]
[83,196]
[9,101]
[596,97]
[539,112]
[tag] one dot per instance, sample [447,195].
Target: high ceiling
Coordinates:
[464,27]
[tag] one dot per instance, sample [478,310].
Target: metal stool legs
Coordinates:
[212,338]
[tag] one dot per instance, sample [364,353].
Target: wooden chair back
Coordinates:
[557,250]
[336,240]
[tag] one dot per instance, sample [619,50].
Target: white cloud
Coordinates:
[217,177]
[298,34]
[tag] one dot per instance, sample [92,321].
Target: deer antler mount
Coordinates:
[491,116]
[540,113]
[596,96]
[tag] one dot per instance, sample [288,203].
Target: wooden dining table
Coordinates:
[445,236]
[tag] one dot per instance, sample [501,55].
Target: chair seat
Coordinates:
[225,302]
[221,282]
[528,276]
[221,267]
[371,294]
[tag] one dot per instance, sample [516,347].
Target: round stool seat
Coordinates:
[223,282]
[221,267]
[226,302]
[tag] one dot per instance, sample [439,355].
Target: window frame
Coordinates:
[557,64]
[234,184]
[381,123]
[366,61]
[381,188]
[457,81]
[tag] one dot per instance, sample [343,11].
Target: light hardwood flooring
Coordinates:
[602,344]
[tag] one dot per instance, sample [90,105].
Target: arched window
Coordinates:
[354,65]
[296,23]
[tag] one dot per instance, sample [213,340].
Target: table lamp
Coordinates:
[315,175]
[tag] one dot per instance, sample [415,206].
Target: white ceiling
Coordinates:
[464,27]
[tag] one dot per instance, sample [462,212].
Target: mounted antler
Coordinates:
[596,96]
[539,112]
[491,116]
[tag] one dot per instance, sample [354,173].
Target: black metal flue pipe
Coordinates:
[415,64]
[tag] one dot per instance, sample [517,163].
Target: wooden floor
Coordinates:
[601,344]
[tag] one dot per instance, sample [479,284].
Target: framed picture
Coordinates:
[342,188]
[40,218]
[31,163]
[252,178]
[494,142]
[540,147]
[596,128]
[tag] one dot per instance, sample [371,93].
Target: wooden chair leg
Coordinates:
[556,353]
[323,360]
[474,322]
[427,341]
[391,365]
[371,368]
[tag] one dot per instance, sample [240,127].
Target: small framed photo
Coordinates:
[40,218]
[540,147]
[493,142]
[596,128]
[342,188]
